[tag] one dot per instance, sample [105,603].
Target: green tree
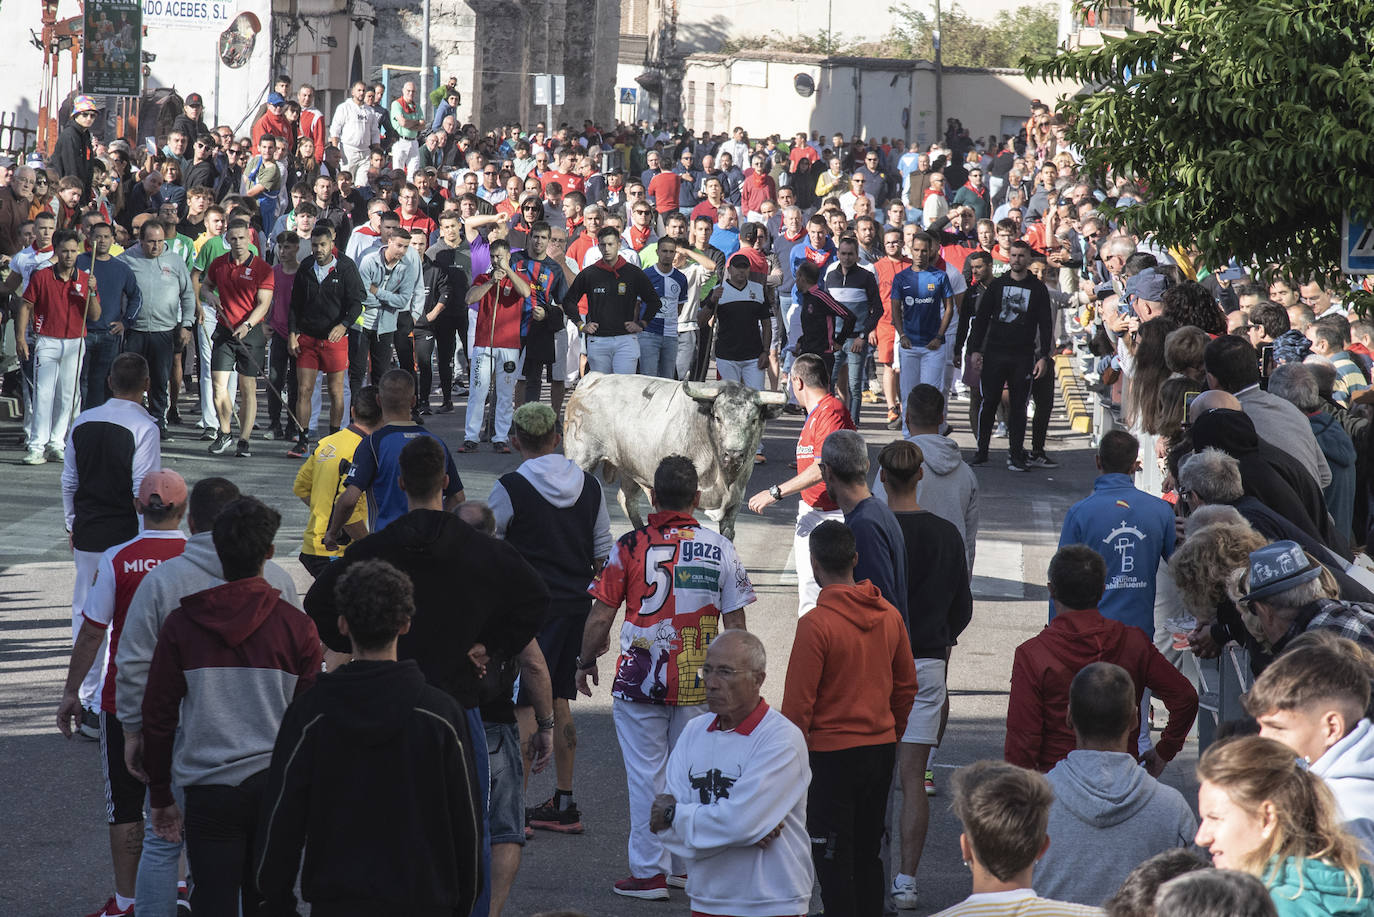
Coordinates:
[1248,122]
[969,42]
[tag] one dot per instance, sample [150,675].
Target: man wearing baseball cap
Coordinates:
[1290,596]
[274,124]
[191,121]
[161,501]
[74,151]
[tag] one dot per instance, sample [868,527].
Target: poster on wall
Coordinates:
[112,60]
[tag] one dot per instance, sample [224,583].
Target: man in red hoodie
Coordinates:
[851,724]
[228,662]
[1038,731]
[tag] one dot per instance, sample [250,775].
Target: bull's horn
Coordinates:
[774,398]
[701,391]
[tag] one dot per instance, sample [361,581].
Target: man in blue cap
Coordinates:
[1290,596]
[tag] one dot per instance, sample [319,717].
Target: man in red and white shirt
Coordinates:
[501,295]
[679,582]
[884,337]
[60,300]
[825,414]
[238,286]
[162,504]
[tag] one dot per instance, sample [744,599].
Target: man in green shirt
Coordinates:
[407,119]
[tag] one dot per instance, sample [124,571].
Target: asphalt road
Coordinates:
[54,856]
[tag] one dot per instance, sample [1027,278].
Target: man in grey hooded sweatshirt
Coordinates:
[1107,809]
[949,488]
[196,569]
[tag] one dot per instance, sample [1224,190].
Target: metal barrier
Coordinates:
[15,139]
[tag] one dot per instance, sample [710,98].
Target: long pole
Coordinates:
[939,78]
[424,63]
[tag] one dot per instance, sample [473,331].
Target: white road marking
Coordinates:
[999,569]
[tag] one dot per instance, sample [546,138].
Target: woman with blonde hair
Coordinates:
[1265,813]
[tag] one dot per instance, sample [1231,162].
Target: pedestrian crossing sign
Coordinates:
[1357,244]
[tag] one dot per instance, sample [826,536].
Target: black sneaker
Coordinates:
[208,434]
[90,723]
[300,449]
[980,458]
[244,450]
[1041,460]
[274,432]
[1016,464]
[164,434]
[548,817]
[446,407]
[222,444]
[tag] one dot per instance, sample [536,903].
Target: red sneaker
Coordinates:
[651,889]
[112,910]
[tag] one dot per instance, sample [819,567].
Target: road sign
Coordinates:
[1357,244]
[627,96]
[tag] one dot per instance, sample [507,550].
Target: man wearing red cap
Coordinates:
[161,501]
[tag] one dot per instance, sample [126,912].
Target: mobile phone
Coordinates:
[1231,274]
[1266,360]
[1188,399]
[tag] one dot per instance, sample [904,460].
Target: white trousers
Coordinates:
[808,517]
[647,734]
[617,354]
[87,562]
[56,371]
[746,371]
[920,366]
[485,363]
[208,418]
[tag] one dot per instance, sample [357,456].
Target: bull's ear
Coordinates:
[701,391]
[772,403]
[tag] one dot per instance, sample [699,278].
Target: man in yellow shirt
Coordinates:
[320,481]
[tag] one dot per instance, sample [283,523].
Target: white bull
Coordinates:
[628,424]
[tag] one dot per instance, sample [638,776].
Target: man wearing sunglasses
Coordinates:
[75,152]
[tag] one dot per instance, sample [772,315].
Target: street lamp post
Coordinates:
[939,75]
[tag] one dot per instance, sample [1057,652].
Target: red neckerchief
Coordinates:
[981,192]
[929,192]
[407,107]
[639,237]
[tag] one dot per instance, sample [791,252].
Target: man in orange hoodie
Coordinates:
[852,713]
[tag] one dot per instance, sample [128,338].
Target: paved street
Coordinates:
[54,851]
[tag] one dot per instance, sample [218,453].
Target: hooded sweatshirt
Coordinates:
[228,663]
[851,679]
[374,724]
[197,568]
[1038,734]
[1348,769]
[1339,450]
[948,487]
[1315,888]
[1106,809]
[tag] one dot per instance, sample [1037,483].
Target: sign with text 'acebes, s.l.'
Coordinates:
[207,14]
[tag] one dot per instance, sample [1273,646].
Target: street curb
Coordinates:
[1075,400]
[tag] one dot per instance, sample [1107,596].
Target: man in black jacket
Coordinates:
[458,645]
[1004,346]
[374,732]
[74,151]
[614,289]
[326,299]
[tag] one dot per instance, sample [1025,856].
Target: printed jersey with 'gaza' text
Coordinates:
[675,579]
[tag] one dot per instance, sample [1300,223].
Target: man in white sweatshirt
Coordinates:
[735,801]
[948,486]
[1313,699]
[1107,809]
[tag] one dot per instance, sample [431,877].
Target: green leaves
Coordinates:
[1250,124]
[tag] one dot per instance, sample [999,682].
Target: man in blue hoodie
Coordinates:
[1132,530]
[1107,808]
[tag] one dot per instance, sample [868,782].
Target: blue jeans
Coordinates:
[155,892]
[101,349]
[657,355]
[857,367]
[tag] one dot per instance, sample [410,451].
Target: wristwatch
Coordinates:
[584,667]
[776,493]
[669,813]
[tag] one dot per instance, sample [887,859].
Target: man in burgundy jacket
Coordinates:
[228,662]
[1038,733]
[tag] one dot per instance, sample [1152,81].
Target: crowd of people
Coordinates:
[1212,567]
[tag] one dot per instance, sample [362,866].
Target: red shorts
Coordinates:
[318,353]
[887,336]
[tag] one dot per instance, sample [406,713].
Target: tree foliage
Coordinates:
[965,41]
[969,42]
[1250,123]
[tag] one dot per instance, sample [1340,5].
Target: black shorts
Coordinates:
[561,641]
[123,791]
[246,358]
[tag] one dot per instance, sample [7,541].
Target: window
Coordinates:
[710,107]
[634,17]
[691,112]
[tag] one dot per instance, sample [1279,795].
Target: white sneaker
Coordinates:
[904,896]
[54,454]
[33,457]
